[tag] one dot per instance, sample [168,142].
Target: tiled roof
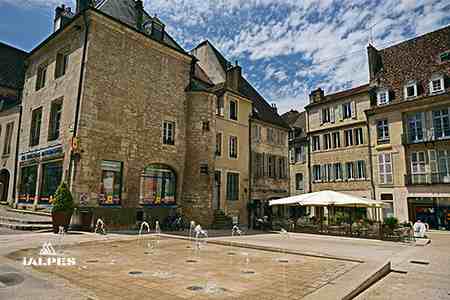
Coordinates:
[347,93]
[12,67]
[125,11]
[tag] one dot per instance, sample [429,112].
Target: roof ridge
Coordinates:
[13,47]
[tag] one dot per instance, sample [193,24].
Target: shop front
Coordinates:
[435,211]
[40,174]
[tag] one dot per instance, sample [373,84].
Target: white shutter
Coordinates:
[320,116]
[332,115]
[433,161]
[353,105]
[340,113]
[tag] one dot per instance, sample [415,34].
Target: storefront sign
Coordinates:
[42,153]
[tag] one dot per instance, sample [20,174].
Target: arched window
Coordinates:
[158,186]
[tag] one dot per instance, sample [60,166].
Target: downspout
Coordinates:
[372,183]
[80,89]
[309,153]
[250,171]
[16,159]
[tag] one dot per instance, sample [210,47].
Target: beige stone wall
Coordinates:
[361,187]
[200,150]
[65,88]
[224,163]
[132,84]
[8,161]
[269,188]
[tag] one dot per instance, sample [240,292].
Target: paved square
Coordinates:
[131,269]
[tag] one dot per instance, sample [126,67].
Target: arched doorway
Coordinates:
[4,185]
[158,186]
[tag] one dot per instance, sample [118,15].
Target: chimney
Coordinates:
[139,7]
[63,15]
[274,107]
[83,5]
[316,96]
[233,78]
[374,61]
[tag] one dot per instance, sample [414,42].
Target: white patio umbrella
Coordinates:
[327,198]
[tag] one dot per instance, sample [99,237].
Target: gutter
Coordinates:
[16,159]
[80,90]
[372,183]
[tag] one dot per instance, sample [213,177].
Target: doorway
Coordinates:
[4,185]
[217,189]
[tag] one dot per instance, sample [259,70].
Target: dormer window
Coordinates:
[383,97]
[444,57]
[437,84]
[410,90]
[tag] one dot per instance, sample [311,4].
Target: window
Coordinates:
[316,143]
[441,123]
[327,141]
[360,169]
[316,173]
[259,165]
[383,131]
[326,116]
[257,133]
[415,127]
[443,159]
[282,170]
[271,166]
[232,186]
[270,135]
[28,179]
[385,168]
[383,97]
[410,90]
[8,138]
[51,179]
[41,76]
[300,154]
[328,172]
[281,138]
[169,133]
[220,105]
[336,140]
[35,132]
[62,60]
[347,110]
[299,185]
[359,136]
[437,84]
[418,165]
[348,137]
[111,182]
[218,144]
[233,110]
[338,171]
[233,147]
[55,120]
[158,185]
[350,170]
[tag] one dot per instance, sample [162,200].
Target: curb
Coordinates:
[24,211]
[26,227]
[15,220]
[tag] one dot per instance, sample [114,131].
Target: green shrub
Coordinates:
[392,222]
[63,200]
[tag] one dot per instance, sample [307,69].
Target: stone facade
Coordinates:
[339,142]
[418,130]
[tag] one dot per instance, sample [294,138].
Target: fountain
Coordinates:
[285,235]
[100,227]
[141,229]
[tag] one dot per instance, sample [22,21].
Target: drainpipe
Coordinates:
[372,183]
[16,158]
[250,172]
[309,153]
[80,89]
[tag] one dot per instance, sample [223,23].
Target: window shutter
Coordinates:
[353,105]
[344,171]
[321,116]
[332,115]
[433,161]
[340,113]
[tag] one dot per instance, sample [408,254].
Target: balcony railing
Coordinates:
[428,135]
[427,178]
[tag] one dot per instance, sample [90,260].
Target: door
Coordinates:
[217,189]
[4,185]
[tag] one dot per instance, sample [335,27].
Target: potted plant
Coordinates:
[63,207]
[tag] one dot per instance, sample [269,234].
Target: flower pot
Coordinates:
[61,219]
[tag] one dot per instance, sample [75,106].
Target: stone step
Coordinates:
[24,226]
[4,219]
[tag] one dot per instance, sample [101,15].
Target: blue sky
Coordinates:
[286,47]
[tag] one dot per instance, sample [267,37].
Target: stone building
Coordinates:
[338,133]
[298,152]
[409,121]
[11,82]
[261,136]
[111,105]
